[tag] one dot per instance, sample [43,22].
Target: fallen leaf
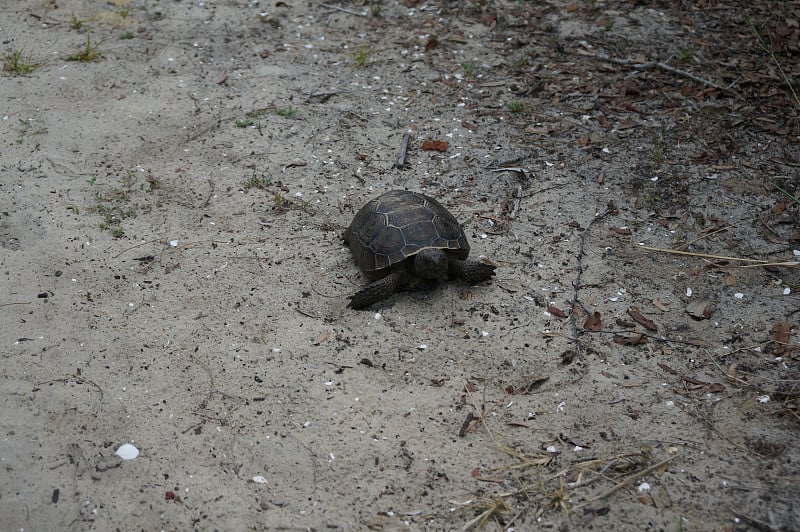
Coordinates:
[667,368]
[630,339]
[731,372]
[780,332]
[567,357]
[555,311]
[780,338]
[700,308]
[648,324]
[434,145]
[593,322]
[620,230]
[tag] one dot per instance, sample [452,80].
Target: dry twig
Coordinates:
[629,480]
[652,65]
[345,10]
[401,158]
[576,284]
[756,262]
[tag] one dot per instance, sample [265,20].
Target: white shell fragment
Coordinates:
[258,479]
[127,452]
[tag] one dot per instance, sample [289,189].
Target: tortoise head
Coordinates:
[431,263]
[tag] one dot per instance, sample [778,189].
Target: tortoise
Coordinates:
[407,240]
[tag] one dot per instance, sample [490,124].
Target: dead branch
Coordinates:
[626,482]
[756,262]
[401,158]
[576,284]
[345,10]
[653,65]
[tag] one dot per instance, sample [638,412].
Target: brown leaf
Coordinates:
[432,43]
[780,338]
[667,368]
[700,309]
[434,145]
[593,322]
[731,372]
[620,230]
[321,338]
[555,311]
[780,332]
[630,339]
[648,324]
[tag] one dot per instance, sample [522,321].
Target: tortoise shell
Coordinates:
[399,224]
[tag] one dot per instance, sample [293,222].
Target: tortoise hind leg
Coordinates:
[376,291]
[471,271]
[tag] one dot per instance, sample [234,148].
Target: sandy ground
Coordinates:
[173,274]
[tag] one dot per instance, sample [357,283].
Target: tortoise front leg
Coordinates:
[376,291]
[471,271]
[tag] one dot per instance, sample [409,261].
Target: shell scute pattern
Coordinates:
[399,225]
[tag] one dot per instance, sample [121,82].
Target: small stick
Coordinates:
[345,10]
[576,284]
[650,65]
[401,159]
[756,262]
[626,482]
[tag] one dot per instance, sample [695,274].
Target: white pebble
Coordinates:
[258,479]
